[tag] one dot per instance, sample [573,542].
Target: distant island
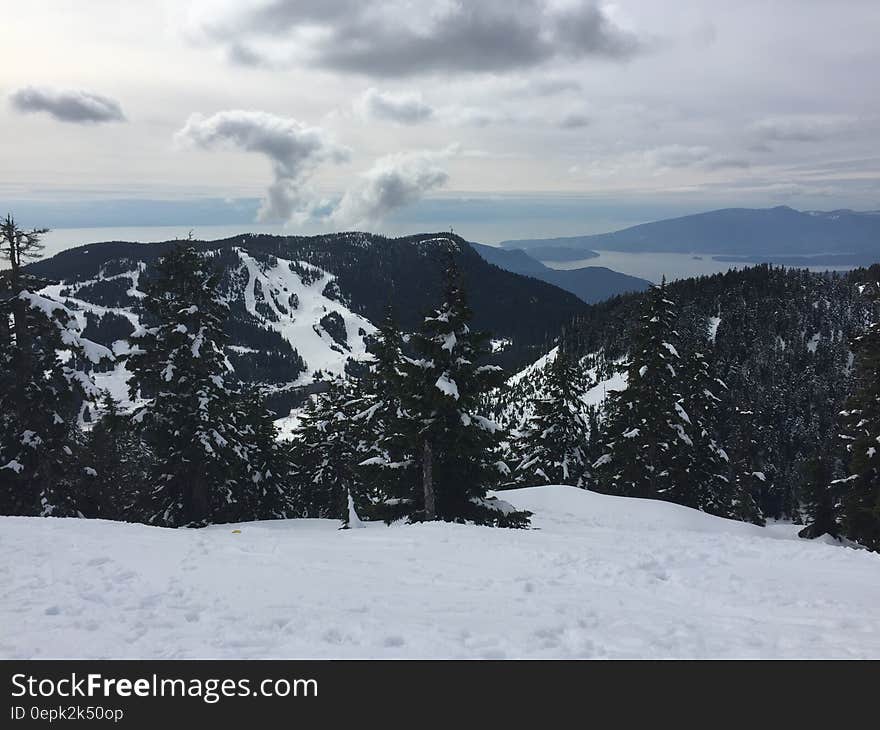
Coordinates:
[747,235]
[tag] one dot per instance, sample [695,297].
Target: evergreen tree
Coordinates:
[454,444]
[118,465]
[860,489]
[326,450]
[388,468]
[708,480]
[44,383]
[208,462]
[270,494]
[553,447]
[821,500]
[645,424]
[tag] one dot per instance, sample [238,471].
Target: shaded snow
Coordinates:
[713,327]
[601,577]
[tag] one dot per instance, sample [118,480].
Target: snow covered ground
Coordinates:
[601,577]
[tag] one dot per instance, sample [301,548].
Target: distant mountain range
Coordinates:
[590,284]
[781,235]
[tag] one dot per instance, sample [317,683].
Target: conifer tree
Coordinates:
[553,447]
[41,393]
[821,500]
[389,466]
[707,480]
[207,460]
[454,444]
[860,489]
[118,465]
[645,425]
[270,494]
[326,450]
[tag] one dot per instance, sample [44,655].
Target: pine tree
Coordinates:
[208,462]
[553,446]
[270,494]
[388,468]
[708,480]
[860,489]
[326,450]
[821,500]
[42,394]
[645,425]
[118,465]
[454,444]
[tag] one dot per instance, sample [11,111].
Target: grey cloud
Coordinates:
[801,128]
[676,156]
[391,183]
[401,108]
[293,148]
[574,121]
[397,39]
[67,105]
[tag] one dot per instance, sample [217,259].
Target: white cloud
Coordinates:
[293,148]
[391,183]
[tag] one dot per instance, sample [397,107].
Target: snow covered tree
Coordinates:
[821,500]
[43,386]
[454,445]
[268,471]
[118,465]
[645,424]
[208,463]
[860,489]
[389,466]
[747,458]
[704,477]
[553,446]
[326,449]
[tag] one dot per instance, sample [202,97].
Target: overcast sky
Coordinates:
[338,114]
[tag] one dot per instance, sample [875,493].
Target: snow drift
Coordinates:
[599,577]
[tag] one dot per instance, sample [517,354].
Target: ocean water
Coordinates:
[654,266]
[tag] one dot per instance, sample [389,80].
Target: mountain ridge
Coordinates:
[766,233]
[591,284]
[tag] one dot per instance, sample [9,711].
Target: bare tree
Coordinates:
[19,246]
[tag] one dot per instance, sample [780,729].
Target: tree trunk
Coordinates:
[428,480]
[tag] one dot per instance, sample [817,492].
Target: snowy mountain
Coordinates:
[781,235]
[603,577]
[780,340]
[304,305]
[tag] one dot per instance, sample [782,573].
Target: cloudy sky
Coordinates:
[329,114]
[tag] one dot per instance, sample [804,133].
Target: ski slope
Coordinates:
[600,577]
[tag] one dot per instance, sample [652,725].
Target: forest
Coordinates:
[751,395]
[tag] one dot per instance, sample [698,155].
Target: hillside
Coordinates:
[842,237]
[601,577]
[305,304]
[778,338]
[590,283]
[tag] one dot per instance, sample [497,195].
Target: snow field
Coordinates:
[599,576]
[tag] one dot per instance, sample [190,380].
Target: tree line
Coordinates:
[407,440]
[411,438]
[676,431]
